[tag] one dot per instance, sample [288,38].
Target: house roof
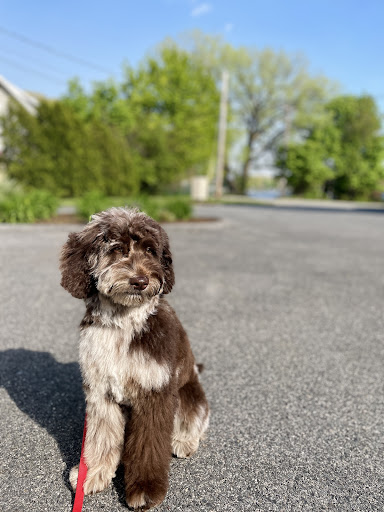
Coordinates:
[25,99]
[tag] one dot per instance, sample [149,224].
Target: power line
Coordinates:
[11,53]
[31,70]
[53,51]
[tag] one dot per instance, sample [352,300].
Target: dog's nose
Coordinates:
[139,282]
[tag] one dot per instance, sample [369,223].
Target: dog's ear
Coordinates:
[166,262]
[76,277]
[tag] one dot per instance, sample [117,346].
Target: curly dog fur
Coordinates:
[143,395]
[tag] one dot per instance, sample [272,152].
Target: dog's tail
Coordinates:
[200,367]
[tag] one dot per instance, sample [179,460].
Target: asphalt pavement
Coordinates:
[285,309]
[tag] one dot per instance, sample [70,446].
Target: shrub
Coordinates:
[27,206]
[180,207]
[162,209]
[90,203]
[57,150]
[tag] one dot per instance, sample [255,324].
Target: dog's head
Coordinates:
[122,254]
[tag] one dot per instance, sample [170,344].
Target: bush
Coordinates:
[162,209]
[92,202]
[58,151]
[27,206]
[167,209]
[181,208]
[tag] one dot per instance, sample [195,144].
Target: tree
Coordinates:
[154,129]
[342,155]
[166,109]
[359,164]
[175,103]
[271,94]
[59,151]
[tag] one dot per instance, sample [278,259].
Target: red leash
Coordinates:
[79,497]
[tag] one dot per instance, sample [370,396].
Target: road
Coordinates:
[284,308]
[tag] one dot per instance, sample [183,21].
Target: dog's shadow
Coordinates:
[50,393]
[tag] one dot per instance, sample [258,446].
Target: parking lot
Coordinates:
[285,309]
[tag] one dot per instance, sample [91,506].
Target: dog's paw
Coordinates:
[143,496]
[73,475]
[184,449]
[96,482]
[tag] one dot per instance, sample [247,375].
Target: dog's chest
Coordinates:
[110,368]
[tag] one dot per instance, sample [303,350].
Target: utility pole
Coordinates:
[222,133]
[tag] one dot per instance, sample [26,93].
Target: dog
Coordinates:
[144,400]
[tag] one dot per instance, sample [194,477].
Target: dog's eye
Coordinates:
[151,250]
[117,249]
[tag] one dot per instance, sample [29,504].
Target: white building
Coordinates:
[10,92]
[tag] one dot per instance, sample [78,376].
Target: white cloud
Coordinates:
[201,9]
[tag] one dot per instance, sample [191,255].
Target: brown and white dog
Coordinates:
[144,400]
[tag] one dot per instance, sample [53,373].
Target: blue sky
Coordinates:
[343,40]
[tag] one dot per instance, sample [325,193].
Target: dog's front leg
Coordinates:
[147,451]
[103,444]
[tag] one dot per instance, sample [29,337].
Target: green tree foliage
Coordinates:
[159,126]
[342,155]
[59,151]
[271,93]
[359,163]
[155,128]
[175,101]
[166,110]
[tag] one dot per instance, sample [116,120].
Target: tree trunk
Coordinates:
[246,165]
[229,183]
